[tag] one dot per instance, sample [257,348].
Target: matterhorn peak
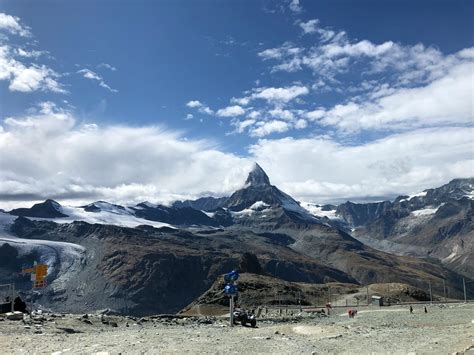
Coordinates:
[257,177]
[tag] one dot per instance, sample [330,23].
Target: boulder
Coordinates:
[14,315]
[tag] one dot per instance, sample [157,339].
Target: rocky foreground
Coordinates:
[445,329]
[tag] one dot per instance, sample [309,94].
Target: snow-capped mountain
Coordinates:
[47,209]
[437,222]
[127,257]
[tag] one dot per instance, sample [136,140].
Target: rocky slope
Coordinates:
[437,223]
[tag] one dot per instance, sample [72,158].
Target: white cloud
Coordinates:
[29,53]
[189,116]
[295,6]
[447,100]
[241,126]
[230,111]
[13,25]
[316,114]
[254,114]
[335,55]
[89,74]
[63,159]
[265,128]
[310,26]
[282,114]
[200,106]
[26,78]
[301,124]
[320,169]
[287,49]
[194,103]
[280,95]
[56,162]
[363,47]
[107,66]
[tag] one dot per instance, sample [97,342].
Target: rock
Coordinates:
[87,321]
[14,315]
[69,330]
[113,324]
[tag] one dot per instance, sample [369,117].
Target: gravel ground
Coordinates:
[443,330]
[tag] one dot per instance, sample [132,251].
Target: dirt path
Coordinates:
[443,330]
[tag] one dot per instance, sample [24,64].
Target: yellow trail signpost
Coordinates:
[38,274]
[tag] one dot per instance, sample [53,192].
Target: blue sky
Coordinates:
[310,89]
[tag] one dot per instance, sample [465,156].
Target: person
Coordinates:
[328,308]
[19,305]
[426,311]
[411,309]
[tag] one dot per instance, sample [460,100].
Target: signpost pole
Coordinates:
[12,298]
[231,290]
[231,310]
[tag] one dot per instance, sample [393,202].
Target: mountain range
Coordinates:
[150,258]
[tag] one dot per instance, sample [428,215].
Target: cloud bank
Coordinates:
[49,154]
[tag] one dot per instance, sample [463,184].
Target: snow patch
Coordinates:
[258,206]
[108,214]
[209,214]
[147,204]
[317,210]
[419,194]
[424,212]
[453,254]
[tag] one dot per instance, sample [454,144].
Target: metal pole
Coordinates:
[464,287]
[431,295]
[231,308]
[13,297]
[444,289]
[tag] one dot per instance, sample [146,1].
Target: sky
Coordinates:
[128,101]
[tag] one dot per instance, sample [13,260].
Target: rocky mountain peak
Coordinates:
[46,209]
[257,177]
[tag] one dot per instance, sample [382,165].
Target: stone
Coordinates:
[69,330]
[14,315]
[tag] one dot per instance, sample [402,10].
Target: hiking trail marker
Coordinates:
[38,274]
[230,290]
